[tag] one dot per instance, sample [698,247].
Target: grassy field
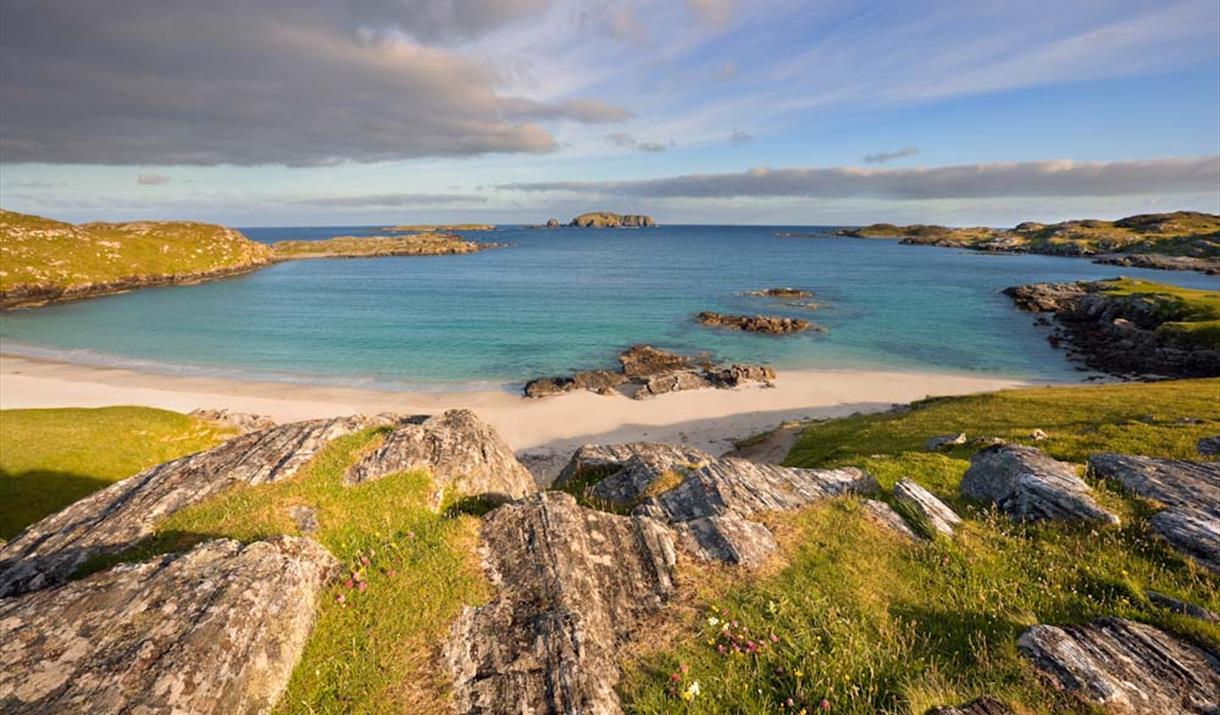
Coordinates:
[1190,315]
[423,244]
[41,251]
[867,622]
[51,458]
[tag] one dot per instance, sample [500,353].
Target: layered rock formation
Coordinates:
[620,473]
[985,705]
[607,219]
[1030,486]
[217,629]
[1120,333]
[769,324]
[117,517]
[463,454]
[573,583]
[1126,667]
[926,508]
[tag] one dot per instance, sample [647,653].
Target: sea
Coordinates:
[555,301]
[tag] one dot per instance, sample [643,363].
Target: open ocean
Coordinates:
[568,299]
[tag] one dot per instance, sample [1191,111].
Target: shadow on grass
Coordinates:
[26,497]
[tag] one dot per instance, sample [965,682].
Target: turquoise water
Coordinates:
[570,299]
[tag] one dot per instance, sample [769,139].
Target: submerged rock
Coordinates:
[1030,486]
[115,518]
[769,324]
[926,507]
[217,629]
[781,293]
[572,585]
[624,472]
[463,454]
[1125,666]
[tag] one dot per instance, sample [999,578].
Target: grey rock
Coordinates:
[1174,482]
[985,705]
[926,507]
[622,472]
[737,374]
[463,454]
[944,441]
[243,421]
[1193,532]
[672,382]
[115,518]
[572,585]
[1126,667]
[1209,446]
[1180,606]
[1030,486]
[217,629]
[885,515]
[645,360]
[305,517]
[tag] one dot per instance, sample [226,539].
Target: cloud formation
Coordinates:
[740,136]
[625,140]
[295,82]
[884,156]
[152,179]
[1030,178]
[392,200]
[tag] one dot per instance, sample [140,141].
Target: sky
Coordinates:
[823,112]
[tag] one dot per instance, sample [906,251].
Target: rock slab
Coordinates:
[624,471]
[926,507]
[573,584]
[1030,486]
[1126,667]
[217,629]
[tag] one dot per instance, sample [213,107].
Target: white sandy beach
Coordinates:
[709,419]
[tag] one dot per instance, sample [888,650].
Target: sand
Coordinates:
[544,431]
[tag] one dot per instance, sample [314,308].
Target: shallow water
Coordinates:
[568,299]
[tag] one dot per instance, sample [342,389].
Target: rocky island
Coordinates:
[1182,240]
[607,219]
[769,324]
[420,244]
[439,228]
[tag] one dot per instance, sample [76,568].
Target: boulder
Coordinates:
[645,360]
[117,517]
[944,441]
[1030,486]
[1209,446]
[623,472]
[463,454]
[677,381]
[602,382]
[926,507]
[739,374]
[769,324]
[885,515]
[707,506]
[1125,666]
[985,705]
[1173,482]
[217,629]
[1046,297]
[1193,532]
[243,421]
[547,386]
[572,585]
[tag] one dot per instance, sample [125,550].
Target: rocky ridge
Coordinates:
[608,219]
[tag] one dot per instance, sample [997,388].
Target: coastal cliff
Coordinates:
[607,219]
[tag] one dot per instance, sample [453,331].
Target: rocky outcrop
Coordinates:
[1190,490]
[736,375]
[463,454]
[711,507]
[645,360]
[1030,486]
[985,705]
[217,629]
[1179,606]
[603,382]
[672,382]
[607,219]
[552,223]
[1118,333]
[1210,266]
[926,508]
[573,584]
[115,518]
[1126,667]
[769,324]
[781,293]
[243,421]
[621,473]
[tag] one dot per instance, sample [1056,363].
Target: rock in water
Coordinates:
[461,451]
[573,583]
[1126,667]
[115,518]
[625,471]
[217,629]
[769,324]
[711,506]
[1030,486]
[926,507]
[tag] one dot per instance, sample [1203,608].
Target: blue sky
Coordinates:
[377,111]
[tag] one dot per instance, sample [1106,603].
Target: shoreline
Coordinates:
[544,430]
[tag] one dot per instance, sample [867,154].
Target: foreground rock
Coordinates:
[463,453]
[117,517]
[1190,490]
[769,324]
[985,705]
[885,515]
[1030,486]
[573,584]
[926,508]
[621,473]
[1122,333]
[217,629]
[607,219]
[1126,667]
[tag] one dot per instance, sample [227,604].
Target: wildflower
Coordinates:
[789,702]
[362,586]
[675,677]
[391,573]
[684,668]
[691,691]
[711,641]
[713,621]
[364,560]
[349,583]
[772,607]
[721,649]
[824,704]
[774,638]
[798,673]
[340,599]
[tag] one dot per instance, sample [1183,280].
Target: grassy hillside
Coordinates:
[51,458]
[422,244]
[43,257]
[867,622]
[1189,315]
[1182,233]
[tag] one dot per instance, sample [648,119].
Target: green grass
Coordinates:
[424,244]
[1192,316]
[371,650]
[51,458]
[36,251]
[872,623]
